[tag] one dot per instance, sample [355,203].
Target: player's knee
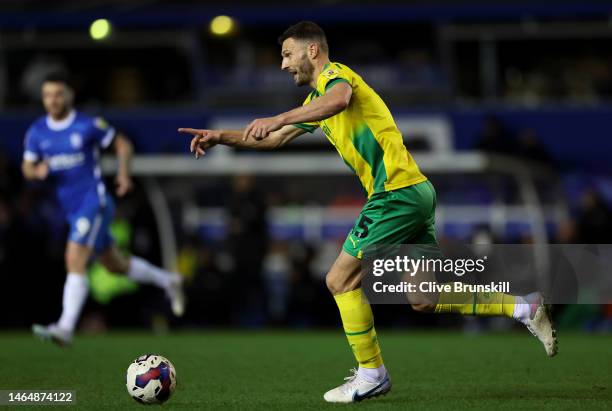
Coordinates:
[424,308]
[75,263]
[337,284]
[332,284]
[115,265]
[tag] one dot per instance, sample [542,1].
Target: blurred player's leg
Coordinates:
[137,268]
[144,272]
[371,379]
[76,290]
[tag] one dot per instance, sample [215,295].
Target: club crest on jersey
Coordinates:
[330,74]
[82,226]
[101,123]
[76,140]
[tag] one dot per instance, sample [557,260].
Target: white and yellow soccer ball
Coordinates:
[151,379]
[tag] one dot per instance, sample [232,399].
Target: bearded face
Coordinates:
[57,99]
[296,61]
[304,71]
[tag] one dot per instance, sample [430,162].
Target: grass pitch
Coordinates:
[292,370]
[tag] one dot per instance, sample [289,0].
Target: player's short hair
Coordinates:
[306,30]
[59,77]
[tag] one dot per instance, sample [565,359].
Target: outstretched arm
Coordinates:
[205,139]
[334,101]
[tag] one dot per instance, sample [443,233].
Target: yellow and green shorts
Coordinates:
[402,216]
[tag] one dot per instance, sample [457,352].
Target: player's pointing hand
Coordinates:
[261,127]
[202,140]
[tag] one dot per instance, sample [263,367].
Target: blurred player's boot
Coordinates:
[53,333]
[176,295]
[146,273]
[536,317]
[358,388]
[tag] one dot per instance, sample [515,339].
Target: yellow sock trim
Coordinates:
[484,304]
[358,323]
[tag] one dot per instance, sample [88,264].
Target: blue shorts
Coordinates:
[90,223]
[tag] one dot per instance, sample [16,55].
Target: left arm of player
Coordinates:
[124,151]
[334,101]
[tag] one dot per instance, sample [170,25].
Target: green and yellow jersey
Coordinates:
[365,134]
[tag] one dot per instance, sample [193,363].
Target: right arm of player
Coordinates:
[34,170]
[206,139]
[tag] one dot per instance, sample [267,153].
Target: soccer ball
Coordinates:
[151,379]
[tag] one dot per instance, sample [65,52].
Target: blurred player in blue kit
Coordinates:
[63,148]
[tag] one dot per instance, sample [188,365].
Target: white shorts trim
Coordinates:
[93,234]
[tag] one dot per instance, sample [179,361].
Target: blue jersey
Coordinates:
[71,147]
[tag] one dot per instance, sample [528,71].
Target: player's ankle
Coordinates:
[526,306]
[522,312]
[372,374]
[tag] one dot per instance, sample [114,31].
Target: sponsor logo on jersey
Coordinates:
[76,140]
[66,161]
[331,73]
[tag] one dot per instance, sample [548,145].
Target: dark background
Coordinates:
[531,81]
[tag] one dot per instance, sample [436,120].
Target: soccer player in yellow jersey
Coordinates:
[401,201]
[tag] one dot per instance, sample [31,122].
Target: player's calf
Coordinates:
[114,261]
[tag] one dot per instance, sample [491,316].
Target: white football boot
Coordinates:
[540,323]
[53,333]
[356,389]
[176,295]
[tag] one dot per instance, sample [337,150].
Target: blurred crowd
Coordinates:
[495,138]
[224,72]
